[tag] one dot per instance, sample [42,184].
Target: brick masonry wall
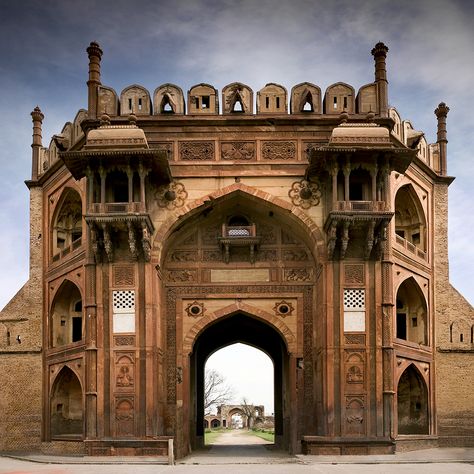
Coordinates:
[21,362]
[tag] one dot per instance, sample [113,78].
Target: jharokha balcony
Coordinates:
[239,236]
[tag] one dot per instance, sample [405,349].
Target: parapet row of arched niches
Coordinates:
[237,98]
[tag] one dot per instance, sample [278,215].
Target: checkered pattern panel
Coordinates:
[354,300]
[124,301]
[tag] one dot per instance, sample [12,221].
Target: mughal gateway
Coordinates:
[163,227]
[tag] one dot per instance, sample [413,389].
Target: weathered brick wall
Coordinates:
[455,374]
[20,357]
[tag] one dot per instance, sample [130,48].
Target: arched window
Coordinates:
[412,403]
[66,405]
[67,225]
[66,315]
[410,223]
[360,187]
[166,106]
[411,324]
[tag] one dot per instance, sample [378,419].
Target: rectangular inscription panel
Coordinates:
[247,275]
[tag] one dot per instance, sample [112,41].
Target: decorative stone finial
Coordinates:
[94,50]
[380,50]
[37,115]
[370,116]
[442,110]
[343,116]
[104,120]
[132,118]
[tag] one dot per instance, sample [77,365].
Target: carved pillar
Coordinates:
[130,184]
[90,189]
[90,311]
[387,320]
[345,238]
[95,53]
[142,173]
[347,174]
[334,172]
[441,113]
[373,175]
[379,53]
[36,144]
[103,176]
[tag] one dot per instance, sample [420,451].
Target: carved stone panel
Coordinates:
[238,151]
[199,151]
[354,368]
[123,275]
[354,274]
[124,416]
[124,372]
[298,274]
[278,150]
[182,256]
[354,419]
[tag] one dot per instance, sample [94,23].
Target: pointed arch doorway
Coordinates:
[247,329]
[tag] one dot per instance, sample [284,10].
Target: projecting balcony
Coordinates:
[118,208]
[239,236]
[410,247]
[356,206]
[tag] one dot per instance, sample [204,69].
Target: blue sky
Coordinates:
[43,62]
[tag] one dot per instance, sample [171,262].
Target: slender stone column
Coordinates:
[95,54]
[379,53]
[347,174]
[36,145]
[441,113]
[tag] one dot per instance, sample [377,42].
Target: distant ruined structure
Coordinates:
[237,416]
[313,227]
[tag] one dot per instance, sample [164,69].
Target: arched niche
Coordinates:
[423,150]
[66,405]
[66,315]
[410,221]
[272,99]
[108,101]
[78,133]
[367,99]
[168,99]
[339,97]
[203,99]
[412,403]
[397,127]
[237,98]
[305,98]
[66,228]
[412,313]
[135,99]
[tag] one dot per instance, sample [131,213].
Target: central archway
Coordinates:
[244,328]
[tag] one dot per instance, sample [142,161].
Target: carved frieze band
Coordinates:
[278,150]
[238,151]
[199,151]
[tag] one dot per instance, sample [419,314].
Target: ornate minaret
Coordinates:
[441,113]
[95,54]
[379,53]
[36,145]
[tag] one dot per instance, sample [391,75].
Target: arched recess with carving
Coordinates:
[66,405]
[67,223]
[412,403]
[66,315]
[411,313]
[293,217]
[305,98]
[410,220]
[237,98]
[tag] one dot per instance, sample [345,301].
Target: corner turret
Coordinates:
[95,55]
[441,113]
[36,145]
[379,53]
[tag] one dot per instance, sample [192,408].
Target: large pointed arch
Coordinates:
[66,405]
[308,228]
[412,403]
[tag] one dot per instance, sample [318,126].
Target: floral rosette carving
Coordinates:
[172,195]
[305,194]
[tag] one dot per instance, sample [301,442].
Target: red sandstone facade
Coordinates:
[162,230]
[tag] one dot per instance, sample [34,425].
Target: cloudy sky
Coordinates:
[43,62]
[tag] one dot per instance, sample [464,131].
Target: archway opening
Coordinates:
[239,391]
[412,399]
[241,328]
[66,405]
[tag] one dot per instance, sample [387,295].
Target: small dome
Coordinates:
[116,136]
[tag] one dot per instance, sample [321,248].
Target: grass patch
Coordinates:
[266,435]
[210,436]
